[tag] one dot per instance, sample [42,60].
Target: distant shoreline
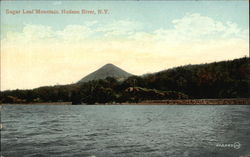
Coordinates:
[232,101]
[42,103]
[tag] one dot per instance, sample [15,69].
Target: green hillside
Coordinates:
[225,79]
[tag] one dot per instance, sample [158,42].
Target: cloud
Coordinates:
[195,27]
[31,33]
[41,33]
[232,29]
[74,33]
[191,27]
[120,28]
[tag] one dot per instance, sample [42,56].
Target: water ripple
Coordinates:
[124,131]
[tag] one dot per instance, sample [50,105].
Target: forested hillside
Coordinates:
[226,79]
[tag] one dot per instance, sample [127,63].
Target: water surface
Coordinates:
[125,131]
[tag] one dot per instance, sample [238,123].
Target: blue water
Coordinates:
[125,131]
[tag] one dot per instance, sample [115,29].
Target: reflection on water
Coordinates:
[124,131]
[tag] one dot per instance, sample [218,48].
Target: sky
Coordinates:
[137,36]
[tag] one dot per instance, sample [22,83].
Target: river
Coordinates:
[125,130]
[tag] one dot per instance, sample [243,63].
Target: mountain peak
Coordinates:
[108,70]
[109,64]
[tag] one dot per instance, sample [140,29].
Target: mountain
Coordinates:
[108,70]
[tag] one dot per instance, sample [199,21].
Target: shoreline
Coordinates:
[42,103]
[230,101]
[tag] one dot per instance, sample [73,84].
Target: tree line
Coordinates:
[225,79]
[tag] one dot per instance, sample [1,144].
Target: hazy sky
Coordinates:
[138,36]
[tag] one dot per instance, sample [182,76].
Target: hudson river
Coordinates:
[125,131]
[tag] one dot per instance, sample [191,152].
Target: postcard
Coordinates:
[125,78]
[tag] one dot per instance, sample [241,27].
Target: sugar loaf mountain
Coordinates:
[224,82]
[108,70]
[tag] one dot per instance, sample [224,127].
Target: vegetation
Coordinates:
[226,79]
